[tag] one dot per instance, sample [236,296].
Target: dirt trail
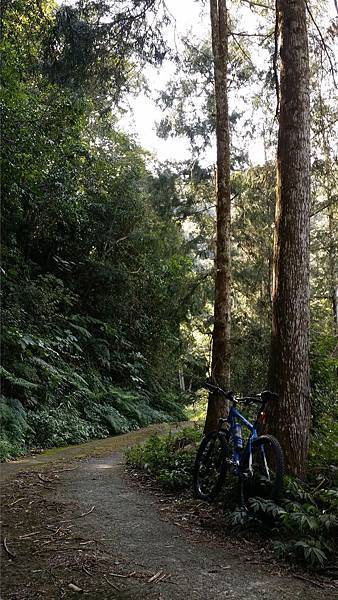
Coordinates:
[88,449]
[84,529]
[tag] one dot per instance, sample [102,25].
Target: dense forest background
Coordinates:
[107,255]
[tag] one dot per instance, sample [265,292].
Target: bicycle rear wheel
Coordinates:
[210,466]
[265,478]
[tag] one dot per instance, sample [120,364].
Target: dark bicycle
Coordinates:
[258,464]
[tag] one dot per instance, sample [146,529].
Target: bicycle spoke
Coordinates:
[264,479]
[265,463]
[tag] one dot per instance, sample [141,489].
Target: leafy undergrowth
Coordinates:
[78,407]
[302,528]
[54,394]
[170,459]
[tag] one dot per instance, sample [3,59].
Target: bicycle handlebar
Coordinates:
[260,398]
[215,388]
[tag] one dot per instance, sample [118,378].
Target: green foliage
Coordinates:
[92,45]
[170,459]
[58,426]
[94,274]
[14,428]
[323,453]
[304,526]
[188,102]
[324,365]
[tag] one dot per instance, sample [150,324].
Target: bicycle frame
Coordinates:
[238,457]
[258,466]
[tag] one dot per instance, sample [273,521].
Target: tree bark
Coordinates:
[220,363]
[289,358]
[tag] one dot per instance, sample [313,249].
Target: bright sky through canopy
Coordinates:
[188,14]
[191,17]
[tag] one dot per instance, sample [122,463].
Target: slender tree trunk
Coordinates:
[220,363]
[289,359]
[181,380]
[332,234]
[333,264]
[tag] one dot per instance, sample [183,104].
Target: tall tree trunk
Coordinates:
[289,359]
[220,363]
[330,189]
[333,263]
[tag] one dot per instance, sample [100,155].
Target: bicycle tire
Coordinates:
[266,480]
[210,466]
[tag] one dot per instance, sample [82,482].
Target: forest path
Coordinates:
[88,449]
[84,528]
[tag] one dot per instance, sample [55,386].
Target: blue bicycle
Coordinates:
[258,464]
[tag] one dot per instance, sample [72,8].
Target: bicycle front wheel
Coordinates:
[265,477]
[210,466]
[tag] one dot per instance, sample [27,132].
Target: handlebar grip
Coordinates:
[249,400]
[210,386]
[215,388]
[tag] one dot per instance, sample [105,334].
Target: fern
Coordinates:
[239,517]
[303,521]
[327,520]
[81,330]
[310,550]
[36,360]
[13,426]
[261,505]
[296,490]
[328,497]
[17,381]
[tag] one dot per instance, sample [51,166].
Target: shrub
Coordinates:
[57,426]
[304,526]
[14,428]
[170,459]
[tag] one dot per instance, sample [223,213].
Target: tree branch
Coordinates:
[250,3]
[324,45]
[243,50]
[322,207]
[245,34]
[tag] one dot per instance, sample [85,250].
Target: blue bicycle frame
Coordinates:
[239,457]
[223,449]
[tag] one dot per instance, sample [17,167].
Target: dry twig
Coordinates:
[86,571]
[26,535]
[156,576]
[16,501]
[79,516]
[123,576]
[74,587]
[10,554]
[315,583]
[112,584]
[62,470]
[86,513]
